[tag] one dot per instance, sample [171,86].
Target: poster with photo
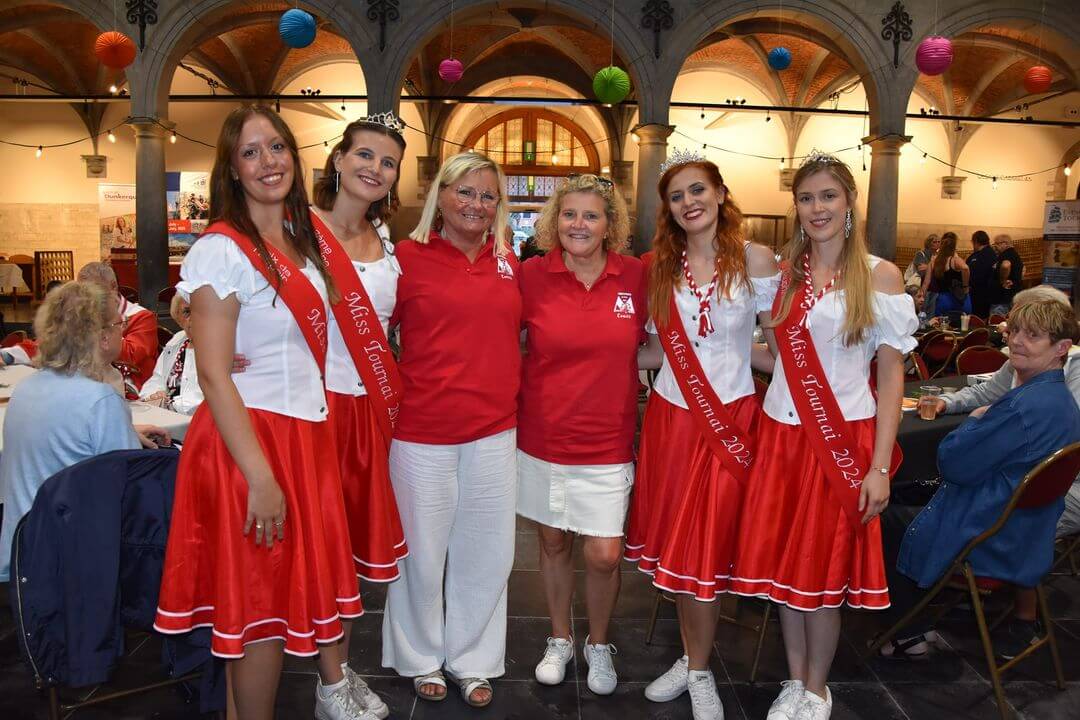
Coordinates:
[1061,244]
[187,196]
[116,217]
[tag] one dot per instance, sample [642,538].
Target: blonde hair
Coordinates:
[1040,292]
[854,276]
[69,326]
[618,233]
[1045,315]
[98,272]
[453,169]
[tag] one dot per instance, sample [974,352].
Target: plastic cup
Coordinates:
[928,397]
[964,320]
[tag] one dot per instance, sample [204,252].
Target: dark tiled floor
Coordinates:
[951,684]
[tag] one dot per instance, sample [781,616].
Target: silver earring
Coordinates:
[337,182]
[802,234]
[389,196]
[847,224]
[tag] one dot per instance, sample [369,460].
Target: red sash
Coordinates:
[368,346]
[820,414]
[296,291]
[726,439]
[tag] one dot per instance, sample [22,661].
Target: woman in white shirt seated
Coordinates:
[175,382]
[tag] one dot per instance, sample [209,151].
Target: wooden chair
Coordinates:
[51,265]
[130,294]
[26,264]
[1046,483]
[975,338]
[978,360]
[938,352]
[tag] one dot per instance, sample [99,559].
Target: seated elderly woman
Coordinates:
[66,412]
[982,462]
[175,382]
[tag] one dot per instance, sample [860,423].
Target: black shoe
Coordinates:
[1015,636]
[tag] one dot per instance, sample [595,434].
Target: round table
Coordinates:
[919,439]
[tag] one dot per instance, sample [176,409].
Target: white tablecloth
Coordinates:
[11,276]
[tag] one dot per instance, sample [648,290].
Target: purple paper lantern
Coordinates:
[934,55]
[451,70]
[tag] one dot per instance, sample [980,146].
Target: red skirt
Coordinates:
[685,507]
[797,545]
[216,577]
[378,542]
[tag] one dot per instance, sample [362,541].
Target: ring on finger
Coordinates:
[279,522]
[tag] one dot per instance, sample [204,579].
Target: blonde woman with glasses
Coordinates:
[452,461]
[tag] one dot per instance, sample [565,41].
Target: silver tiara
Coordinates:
[817,156]
[681,157]
[387,120]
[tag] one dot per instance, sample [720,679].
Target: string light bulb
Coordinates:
[702,113]
[993,183]
[1068,170]
[635,137]
[172,138]
[39,151]
[555,159]
[768,118]
[326,146]
[922,160]
[113,89]
[112,138]
[781,163]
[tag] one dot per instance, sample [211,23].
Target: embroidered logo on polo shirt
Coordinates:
[504,269]
[624,305]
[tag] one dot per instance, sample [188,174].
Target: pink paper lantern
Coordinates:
[451,70]
[1038,79]
[934,55]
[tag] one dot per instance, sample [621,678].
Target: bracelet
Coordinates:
[883,470]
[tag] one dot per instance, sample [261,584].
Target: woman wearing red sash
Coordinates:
[255,549]
[810,538]
[707,286]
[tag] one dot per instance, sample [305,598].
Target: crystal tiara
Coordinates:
[681,157]
[387,120]
[817,156]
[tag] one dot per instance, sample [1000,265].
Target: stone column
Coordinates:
[881,206]
[652,149]
[151,234]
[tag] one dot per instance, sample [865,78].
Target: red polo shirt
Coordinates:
[460,358]
[579,383]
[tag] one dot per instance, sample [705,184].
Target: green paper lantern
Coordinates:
[611,85]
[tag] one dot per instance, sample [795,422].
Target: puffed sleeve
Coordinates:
[896,322]
[215,260]
[765,289]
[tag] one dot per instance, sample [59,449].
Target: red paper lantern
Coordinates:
[114,49]
[934,55]
[451,70]
[1038,79]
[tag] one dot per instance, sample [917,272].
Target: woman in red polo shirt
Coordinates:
[583,308]
[453,458]
[707,285]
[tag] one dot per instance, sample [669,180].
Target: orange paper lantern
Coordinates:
[1037,79]
[114,49]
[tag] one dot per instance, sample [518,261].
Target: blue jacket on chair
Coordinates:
[982,463]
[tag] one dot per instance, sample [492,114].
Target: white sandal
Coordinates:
[432,678]
[469,686]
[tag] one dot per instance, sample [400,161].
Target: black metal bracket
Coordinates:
[657,15]
[143,12]
[896,26]
[383,11]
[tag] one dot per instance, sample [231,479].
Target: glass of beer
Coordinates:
[928,397]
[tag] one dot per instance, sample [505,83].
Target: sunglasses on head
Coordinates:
[599,178]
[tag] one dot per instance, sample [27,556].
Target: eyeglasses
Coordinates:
[599,178]
[466,195]
[122,323]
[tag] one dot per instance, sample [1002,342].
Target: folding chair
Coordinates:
[975,338]
[129,293]
[977,360]
[997,319]
[1045,483]
[1067,548]
[915,367]
[974,321]
[937,353]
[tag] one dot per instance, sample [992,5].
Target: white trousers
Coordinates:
[457,507]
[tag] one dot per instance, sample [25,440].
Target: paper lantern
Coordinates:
[934,55]
[1037,79]
[779,58]
[611,85]
[114,50]
[297,28]
[451,70]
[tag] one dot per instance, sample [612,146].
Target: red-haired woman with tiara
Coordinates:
[707,286]
[810,537]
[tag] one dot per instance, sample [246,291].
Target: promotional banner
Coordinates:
[188,197]
[1061,244]
[116,217]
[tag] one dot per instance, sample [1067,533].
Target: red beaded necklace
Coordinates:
[810,297]
[705,325]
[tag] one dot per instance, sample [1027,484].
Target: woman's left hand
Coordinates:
[874,495]
[152,437]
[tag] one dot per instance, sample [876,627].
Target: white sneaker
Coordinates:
[551,669]
[704,700]
[364,696]
[602,677]
[787,702]
[671,684]
[339,705]
[814,708]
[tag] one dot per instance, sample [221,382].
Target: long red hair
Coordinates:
[666,273]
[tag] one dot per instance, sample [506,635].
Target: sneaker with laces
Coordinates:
[813,707]
[364,696]
[671,684]
[602,677]
[339,704]
[1015,636]
[787,702]
[551,670]
[704,700]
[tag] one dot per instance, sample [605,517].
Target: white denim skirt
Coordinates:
[584,499]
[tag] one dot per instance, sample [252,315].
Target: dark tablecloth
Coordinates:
[919,439]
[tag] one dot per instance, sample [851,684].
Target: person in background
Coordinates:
[983,280]
[583,310]
[175,382]
[947,276]
[140,347]
[1010,274]
[65,413]
[916,270]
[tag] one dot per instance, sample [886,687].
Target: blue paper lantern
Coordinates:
[297,28]
[779,58]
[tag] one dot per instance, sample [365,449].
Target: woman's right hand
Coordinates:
[265,511]
[239,363]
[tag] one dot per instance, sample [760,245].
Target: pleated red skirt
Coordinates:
[797,546]
[685,508]
[216,577]
[378,542]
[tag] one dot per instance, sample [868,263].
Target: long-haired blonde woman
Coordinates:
[707,285]
[810,538]
[452,462]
